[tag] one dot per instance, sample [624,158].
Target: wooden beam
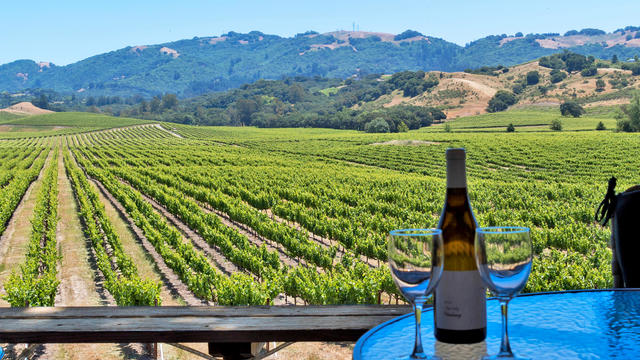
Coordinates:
[191,324]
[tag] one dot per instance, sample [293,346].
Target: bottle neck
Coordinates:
[456,174]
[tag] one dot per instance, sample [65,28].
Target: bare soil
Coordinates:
[15,239]
[171,280]
[77,277]
[322,241]
[213,253]
[26,108]
[147,269]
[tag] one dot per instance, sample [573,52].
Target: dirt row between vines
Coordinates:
[14,243]
[15,239]
[171,279]
[150,266]
[297,351]
[322,241]
[303,350]
[212,250]
[80,281]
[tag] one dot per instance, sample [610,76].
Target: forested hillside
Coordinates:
[200,65]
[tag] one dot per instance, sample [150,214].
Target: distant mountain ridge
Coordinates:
[199,65]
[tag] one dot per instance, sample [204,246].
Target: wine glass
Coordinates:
[416,257]
[503,255]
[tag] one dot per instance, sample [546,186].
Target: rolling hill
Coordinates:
[200,65]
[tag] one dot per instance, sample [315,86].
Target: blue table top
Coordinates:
[589,324]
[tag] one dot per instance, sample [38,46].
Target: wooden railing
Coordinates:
[228,330]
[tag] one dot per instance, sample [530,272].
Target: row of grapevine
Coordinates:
[550,182]
[296,243]
[359,283]
[12,193]
[191,266]
[37,284]
[117,268]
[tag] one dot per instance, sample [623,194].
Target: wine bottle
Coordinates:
[460,298]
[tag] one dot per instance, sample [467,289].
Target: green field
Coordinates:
[59,124]
[5,116]
[527,120]
[318,203]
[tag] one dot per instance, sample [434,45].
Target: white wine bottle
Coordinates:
[460,298]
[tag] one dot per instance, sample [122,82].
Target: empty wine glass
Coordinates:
[503,256]
[416,257]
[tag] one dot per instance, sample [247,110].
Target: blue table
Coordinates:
[586,324]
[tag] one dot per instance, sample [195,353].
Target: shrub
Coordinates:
[402,127]
[630,121]
[624,125]
[501,101]
[447,128]
[589,71]
[377,125]
[511,128]
[601,126]
[557,76]
[551,62]
[634,67]
[556,125]
[571,108]
[518,88]
[406,35]
[600,85]
[575,62]
[533,77]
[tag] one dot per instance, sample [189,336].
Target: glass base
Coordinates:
[503,357]
[419,357]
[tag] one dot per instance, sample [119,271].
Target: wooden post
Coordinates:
[153,347]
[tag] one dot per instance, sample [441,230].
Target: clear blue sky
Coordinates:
[70,30]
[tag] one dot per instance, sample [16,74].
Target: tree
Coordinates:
[557,76]
[501,101]
[556,125]
[614,59]
[600,85]
[575,62]
[377,125]
[589,71]
[402,127]
[533,77]
[295,93]
[169,101]
[571,108]
[41,102]
[154,105]
[630,120]
[245,108]
[511,128]
[601,126]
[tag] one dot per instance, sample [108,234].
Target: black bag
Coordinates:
[624,211]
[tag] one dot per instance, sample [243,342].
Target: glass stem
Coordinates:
[505,347]
[418,352]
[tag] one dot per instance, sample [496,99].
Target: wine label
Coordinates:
[461,302]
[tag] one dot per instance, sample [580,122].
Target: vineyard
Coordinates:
[246,216]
